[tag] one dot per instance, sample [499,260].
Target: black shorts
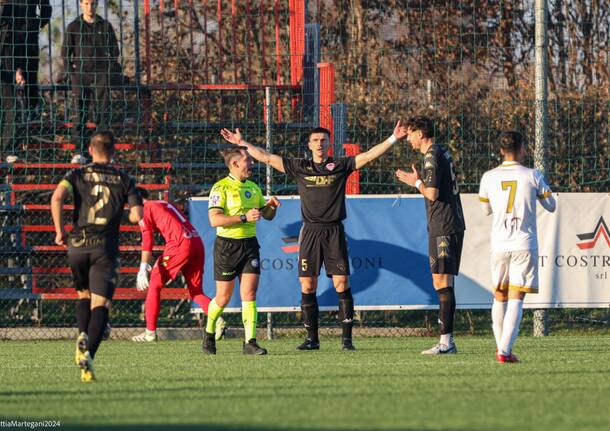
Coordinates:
[445,253]
[94,269]
[323,244]
[233,257]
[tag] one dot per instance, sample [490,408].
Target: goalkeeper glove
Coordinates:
[142,281]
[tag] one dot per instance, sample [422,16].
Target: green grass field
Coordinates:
[563,383]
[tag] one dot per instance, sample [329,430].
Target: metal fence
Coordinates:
[188,69]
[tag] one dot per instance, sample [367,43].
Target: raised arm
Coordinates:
[375,152]
[257,153]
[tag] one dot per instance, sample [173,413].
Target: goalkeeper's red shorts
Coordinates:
[186,257]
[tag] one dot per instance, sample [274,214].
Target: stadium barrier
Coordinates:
[387,240]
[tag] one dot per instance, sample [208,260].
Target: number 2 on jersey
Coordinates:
[97,190]
[512,187]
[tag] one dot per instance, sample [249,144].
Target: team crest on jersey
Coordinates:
[330,166]
[248,195]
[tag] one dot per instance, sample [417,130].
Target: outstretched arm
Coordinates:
[257,153]
[375,152]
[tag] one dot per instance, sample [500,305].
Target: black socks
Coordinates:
[446,299]
[97,326]
[346,312]
[311,312]
[83,313]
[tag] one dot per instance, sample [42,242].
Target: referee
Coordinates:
[235,206]
[100,192]
[321,181]
[445,221]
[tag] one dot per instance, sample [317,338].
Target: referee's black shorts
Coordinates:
[445,253]
[323,244]
[95,269]
[233,257]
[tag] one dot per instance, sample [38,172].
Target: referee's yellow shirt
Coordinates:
[235,197]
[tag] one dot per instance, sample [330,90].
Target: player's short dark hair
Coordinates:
[318,130]
[143,192]
[421,123]
[230,153]
[511,141]
[103,142]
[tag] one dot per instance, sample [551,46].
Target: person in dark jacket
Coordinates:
[32,16]
[90,52]
[20,24]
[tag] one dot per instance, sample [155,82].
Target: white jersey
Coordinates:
[511,190]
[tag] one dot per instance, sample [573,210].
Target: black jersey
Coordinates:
[100,194]
[445,215]
[321,187]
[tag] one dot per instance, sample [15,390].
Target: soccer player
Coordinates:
[510,192]
[183,252]
[235,206]
[445,221]
[321,181]
[100,192]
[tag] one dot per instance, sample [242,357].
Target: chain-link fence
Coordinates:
[177,72]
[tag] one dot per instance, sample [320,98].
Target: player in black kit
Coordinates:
[321,182]
[445,221]
[100,192]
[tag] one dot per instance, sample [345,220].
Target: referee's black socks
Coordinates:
[97,326]
[311,313]
[346,312]
[446,298]
[83,313]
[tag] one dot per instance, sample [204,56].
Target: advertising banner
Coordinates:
[388,248]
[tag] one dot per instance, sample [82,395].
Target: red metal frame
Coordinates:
[297,40]
[327,98]
[125,293]
[121,248]
[51,228]
[265,23]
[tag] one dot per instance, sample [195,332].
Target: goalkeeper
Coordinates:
[183,252]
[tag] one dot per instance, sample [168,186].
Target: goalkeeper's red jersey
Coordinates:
[169,221]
